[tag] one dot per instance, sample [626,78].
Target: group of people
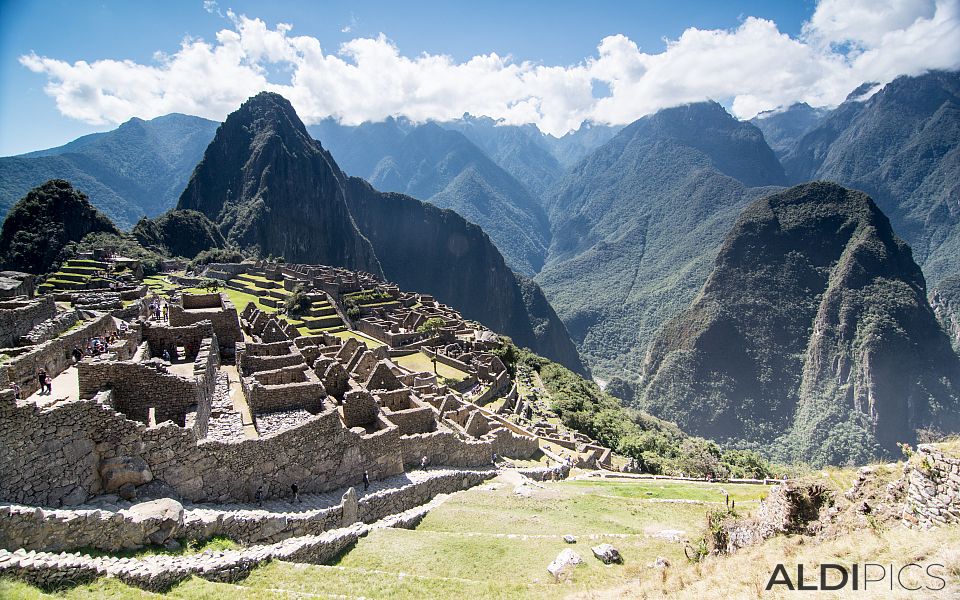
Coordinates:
[45,381]
[295,490]
[158,309]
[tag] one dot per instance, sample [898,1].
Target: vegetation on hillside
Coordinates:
[43,222]
[183,233]
[658,446]
[138,169]
[814,308]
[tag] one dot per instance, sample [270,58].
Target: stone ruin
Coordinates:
[215,410]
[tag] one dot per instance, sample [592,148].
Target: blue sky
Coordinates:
[426,64]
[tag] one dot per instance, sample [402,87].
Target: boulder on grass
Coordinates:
[564,564]
[607,553]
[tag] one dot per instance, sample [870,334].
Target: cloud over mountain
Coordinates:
[755,65]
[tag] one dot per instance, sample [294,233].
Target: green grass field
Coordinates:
[487,542]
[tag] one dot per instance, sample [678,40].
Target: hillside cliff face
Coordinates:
[900,146]
[268,185]
[444,168]
[945,301]
[637,223]
[43,222]
[814,321]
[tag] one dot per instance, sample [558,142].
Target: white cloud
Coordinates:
[845,43]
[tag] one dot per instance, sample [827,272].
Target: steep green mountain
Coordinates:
[637,223]
[901,147]
[445,169]
[813,333]
[183,233]
[41,223]
[783,129]
[138,169]
[521,150]
[268,185]
[945,301]
[272,188]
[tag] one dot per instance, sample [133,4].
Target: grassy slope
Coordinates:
[481,543]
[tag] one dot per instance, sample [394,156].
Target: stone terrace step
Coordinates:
[160,572]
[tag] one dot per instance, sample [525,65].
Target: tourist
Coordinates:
[366,481]
[423,463]
[259,495]
[49,383]
[166,355]
[16,390]
[493,459]
[296,492]
[42,379]
[77,354]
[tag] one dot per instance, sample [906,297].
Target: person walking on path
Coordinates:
[42,379]
[423,463]
[259,495]
[296,492]
[366,481]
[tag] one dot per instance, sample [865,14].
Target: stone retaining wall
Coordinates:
[18,317]
[33,528]
[933,488]
[54,355]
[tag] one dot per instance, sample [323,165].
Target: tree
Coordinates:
[431,325]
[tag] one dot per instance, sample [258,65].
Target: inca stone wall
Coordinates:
[933,488]
[215,307]
[53,356]
[163,337]
[18,317]
[61,530]
[138,387]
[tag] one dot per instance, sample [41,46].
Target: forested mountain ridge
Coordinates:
[814,322]
[900,146]
[637,223]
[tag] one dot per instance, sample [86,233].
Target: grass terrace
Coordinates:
[421,363]
[488,542]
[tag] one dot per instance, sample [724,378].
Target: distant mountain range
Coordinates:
[637,223]
[136,170]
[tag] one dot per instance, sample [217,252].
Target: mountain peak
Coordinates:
[266,183]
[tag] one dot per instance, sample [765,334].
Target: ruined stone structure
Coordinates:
[158,437]
[215,308]
[933,488]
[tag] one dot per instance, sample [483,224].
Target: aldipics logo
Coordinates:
[860,577]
